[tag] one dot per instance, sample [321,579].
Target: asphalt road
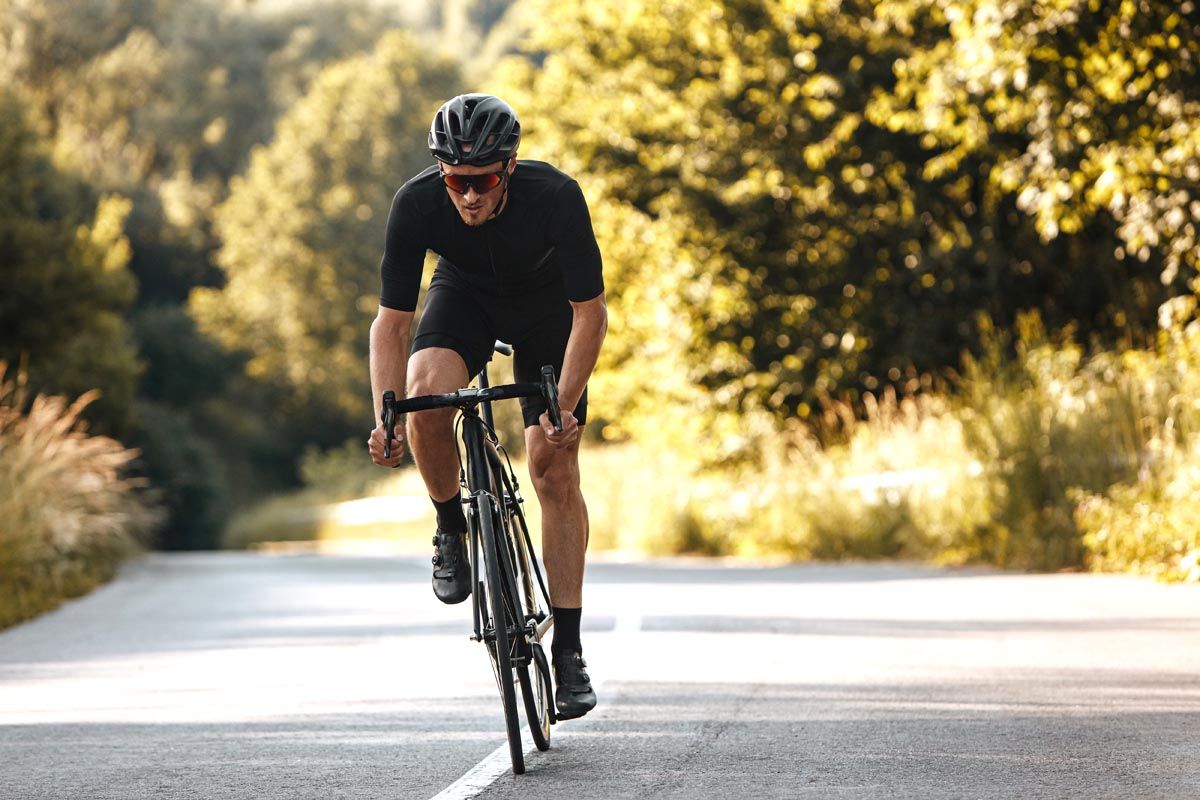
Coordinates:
[257,676]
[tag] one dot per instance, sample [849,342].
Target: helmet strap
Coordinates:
[503,198]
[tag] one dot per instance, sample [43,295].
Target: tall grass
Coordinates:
[1039,456]
[1151,523]
[67,514]
[900,482]
[1151,526]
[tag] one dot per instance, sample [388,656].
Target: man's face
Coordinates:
[473,207]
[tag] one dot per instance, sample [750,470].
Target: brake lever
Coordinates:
[389,421]
[550,395]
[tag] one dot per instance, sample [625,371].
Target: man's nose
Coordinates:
[471,196]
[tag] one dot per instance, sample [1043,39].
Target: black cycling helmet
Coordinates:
[474,129]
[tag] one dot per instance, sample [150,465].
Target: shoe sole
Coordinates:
[574,711]
[452,600]
[562,715]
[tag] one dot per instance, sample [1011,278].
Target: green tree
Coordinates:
[809,244]
[161,102]
[302,230]
[67,285]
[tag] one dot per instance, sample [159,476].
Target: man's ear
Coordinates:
[512,163]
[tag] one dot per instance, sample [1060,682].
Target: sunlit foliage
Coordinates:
[1081,107]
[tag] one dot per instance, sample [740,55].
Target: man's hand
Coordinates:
[375,445]
[567,436]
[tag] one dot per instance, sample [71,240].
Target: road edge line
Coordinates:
[483,774]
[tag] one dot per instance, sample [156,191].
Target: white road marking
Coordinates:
[496,763]
[483,774]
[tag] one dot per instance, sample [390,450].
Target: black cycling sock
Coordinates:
[566,630]
[450,516]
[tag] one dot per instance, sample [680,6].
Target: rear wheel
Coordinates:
[502,647]
[537,691]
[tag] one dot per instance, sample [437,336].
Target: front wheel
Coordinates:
[501,648]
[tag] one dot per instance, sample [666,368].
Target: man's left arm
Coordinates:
[588,327]
[583,275]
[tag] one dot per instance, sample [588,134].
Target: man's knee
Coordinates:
[432,424]
[434,370]
[555,475]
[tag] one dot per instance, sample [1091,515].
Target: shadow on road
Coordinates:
[932,628]
[698,570]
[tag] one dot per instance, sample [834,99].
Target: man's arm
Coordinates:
[389,369]
[588,328]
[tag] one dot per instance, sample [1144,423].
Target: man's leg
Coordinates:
[555,476]
[437,370]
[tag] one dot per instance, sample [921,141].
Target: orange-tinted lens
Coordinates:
[482,183]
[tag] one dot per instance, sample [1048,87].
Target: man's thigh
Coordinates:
[453,319]
[545,342]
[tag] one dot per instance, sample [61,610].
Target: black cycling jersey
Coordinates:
[542,236]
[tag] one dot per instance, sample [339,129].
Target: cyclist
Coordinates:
[517,261]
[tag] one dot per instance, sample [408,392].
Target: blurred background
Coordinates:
[886,278]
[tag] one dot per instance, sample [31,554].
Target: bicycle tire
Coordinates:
[537,693]
[537,690]
[501,649]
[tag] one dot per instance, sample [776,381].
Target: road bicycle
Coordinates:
[509,601]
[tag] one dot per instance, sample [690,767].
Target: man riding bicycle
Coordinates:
[517,261]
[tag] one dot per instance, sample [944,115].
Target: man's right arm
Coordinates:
[389,368]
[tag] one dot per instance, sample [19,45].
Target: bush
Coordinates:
[899,483]
[386,506]
[1150,527]
[69,516]
[1043,425]
[188,474]
[991,471]
[1151,524]
[345,472]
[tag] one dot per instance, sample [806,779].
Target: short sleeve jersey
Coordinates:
[543,235]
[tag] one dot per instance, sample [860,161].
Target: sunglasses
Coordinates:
[482,184]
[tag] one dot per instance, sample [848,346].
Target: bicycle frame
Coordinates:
[476,441]
[473,440]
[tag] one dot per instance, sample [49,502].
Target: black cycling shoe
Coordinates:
[573,696]
[451,571]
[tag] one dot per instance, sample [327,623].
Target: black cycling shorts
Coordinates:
[536,323]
